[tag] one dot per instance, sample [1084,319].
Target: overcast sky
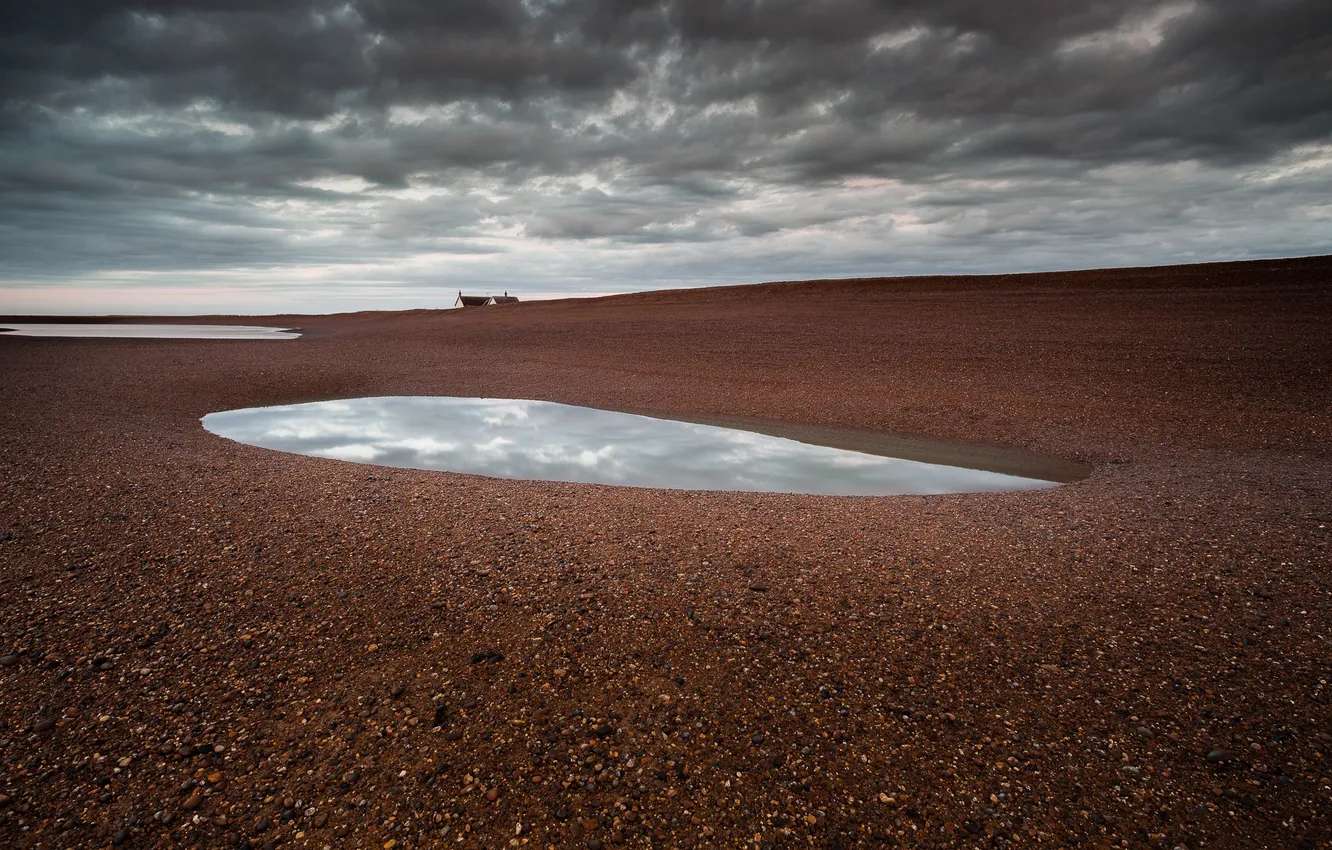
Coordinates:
[251,156]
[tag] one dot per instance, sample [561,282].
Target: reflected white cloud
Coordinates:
[509,438]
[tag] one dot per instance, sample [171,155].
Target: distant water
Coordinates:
[509,438]
[112,331]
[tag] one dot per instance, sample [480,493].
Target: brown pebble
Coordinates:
[193,801]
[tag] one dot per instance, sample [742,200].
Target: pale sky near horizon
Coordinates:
[262,156]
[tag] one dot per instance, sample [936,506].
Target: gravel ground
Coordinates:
[204,644]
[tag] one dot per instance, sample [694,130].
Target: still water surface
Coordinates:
[509,438]
[112,331]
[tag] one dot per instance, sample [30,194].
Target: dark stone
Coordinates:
[441,716]
[604,730]
[46,724]
[1219,756]
[8,660]
[453,735]
[121,836]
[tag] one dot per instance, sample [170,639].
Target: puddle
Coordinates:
[115,331]
[508,438]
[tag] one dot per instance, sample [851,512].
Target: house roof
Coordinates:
[505,299]
[473,300]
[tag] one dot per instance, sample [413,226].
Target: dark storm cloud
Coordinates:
[196,134]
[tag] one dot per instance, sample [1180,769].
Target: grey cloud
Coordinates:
[847,135]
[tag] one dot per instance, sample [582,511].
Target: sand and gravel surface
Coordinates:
[205,644]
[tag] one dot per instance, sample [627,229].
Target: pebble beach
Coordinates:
[209,645]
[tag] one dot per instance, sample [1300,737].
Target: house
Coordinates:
[484,300]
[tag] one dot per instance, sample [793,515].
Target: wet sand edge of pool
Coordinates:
[1005,460]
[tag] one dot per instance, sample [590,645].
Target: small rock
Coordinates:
[492,795]
[441,716]
[8,660]
[320,820]
[46,724]
[192,802]
[4,800]
[122,835]
[758,738]
[453,735]
[1218,756]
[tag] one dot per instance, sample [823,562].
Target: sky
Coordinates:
[261,156]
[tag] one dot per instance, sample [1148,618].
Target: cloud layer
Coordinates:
[320,155]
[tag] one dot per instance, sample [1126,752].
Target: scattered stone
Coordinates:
[192,802]
[8,660]
[1219,756]
[46,724]
[441,716]
[122,835]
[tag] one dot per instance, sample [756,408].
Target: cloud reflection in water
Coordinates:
[508,438]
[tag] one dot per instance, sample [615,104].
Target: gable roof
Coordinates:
[472,300]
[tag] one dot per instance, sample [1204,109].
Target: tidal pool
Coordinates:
[113,331]
[510,438]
